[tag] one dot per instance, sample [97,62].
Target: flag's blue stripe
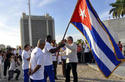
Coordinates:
[80,27]
[100,64]
[101,44]
[118,52]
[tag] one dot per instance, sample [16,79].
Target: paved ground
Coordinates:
[120,71]
[85,74]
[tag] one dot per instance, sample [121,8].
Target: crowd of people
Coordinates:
[10,63]
[41,62]
[84,53]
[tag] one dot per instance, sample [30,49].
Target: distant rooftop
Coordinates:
[46,16]
[115,19]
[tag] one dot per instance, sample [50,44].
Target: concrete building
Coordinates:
[41,26]
[117,29]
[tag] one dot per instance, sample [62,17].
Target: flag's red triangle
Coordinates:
[81,14]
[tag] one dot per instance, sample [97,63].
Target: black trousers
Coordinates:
[11,73]
[64,67]
[87,57]
[72,66]
[6,66]
[55,67]
[79,56]
[20,58]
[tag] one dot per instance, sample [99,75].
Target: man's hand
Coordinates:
[30,72]
[62,44]
[63,41]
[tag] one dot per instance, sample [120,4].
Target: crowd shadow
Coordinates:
[81,79]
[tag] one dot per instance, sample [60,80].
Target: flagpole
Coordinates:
[30,29]
[69,22]
[66,31]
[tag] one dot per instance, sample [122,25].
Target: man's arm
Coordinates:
[40,62]
[28,59]
[36,69]
[73,47]
[56,49]
[29,69]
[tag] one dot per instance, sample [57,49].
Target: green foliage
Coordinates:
[79,41]
[118,9]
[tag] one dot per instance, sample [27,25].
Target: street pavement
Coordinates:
[120,71]
[86,73]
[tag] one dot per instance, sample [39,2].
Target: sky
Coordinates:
[61,10]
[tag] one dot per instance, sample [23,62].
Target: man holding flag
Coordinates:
[104,48]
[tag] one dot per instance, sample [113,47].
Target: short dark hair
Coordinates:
[26,46]
[48,37]
[9,49]
[70,37]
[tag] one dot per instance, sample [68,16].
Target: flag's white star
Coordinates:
[82,13]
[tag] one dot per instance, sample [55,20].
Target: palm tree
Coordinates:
[118,9]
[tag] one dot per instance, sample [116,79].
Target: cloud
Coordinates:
[45,2]
[9,35]
[105,15]
[9,23]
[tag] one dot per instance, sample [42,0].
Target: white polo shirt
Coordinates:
[12,64]
[86,49]
[25,62]
[48,55]
[37,58]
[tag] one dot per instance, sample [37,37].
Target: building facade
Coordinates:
[117,29]
[41,26]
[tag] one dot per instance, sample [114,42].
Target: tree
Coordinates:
[79,41]
[118,9]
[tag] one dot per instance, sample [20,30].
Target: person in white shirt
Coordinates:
[25,62]
[86,52]
[49,50]
[54,58]
[63,57]
[72,60]
[14,64]
[36,65]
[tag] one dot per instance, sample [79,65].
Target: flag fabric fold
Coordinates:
[104,48]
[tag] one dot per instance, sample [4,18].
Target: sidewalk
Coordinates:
[120,71]
[85,74]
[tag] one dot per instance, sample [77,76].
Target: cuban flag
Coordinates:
[104,48]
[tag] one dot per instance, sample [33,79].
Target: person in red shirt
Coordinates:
[120,45]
